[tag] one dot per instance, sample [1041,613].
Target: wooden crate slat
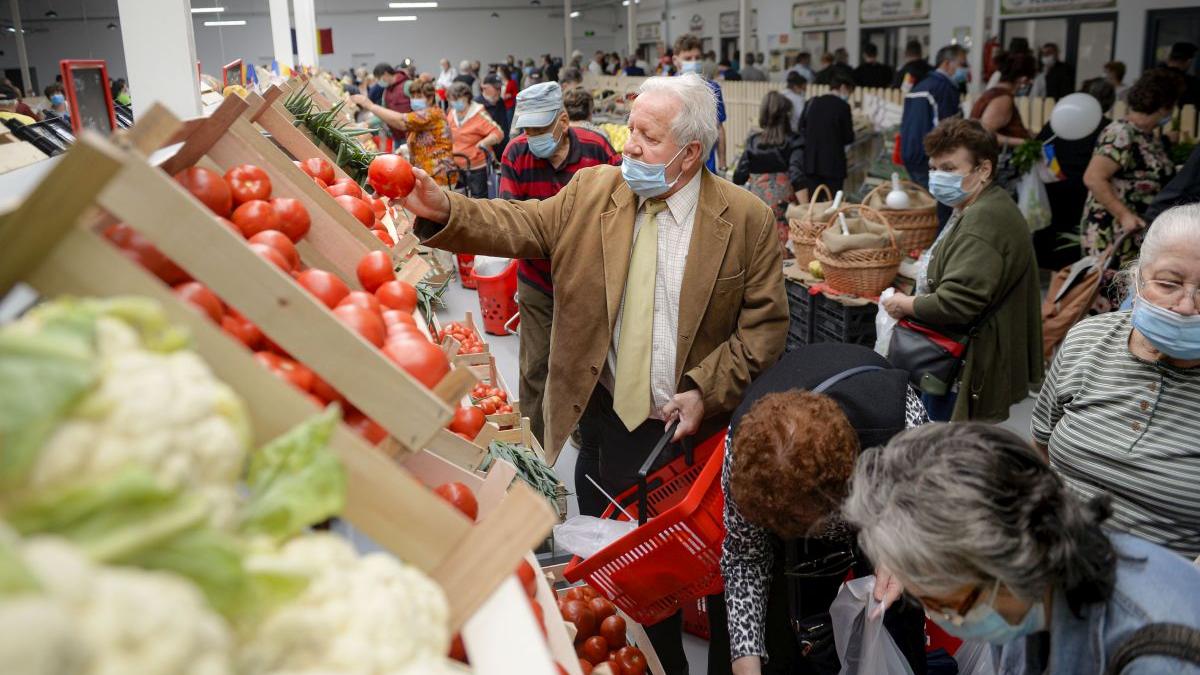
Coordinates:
[205,134]
[285,132]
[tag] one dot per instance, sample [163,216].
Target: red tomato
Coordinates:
[460,497]
[320,183]
[585,592]
[229,223]
[384,236]
[255,216]
[327,393]
[378,206]
[603,608]
[139,249]
[594,649]
[366,427]
[268,360]
[280,242]
[403,333]
[397,295]
[362,321]
[391,317]
[422,359]
[585,667]
[317,167]
[357,208]
[612,627]
[241,329]
[328,288]
[374,269]
[273,256]
[248,182]
[468,420]
[632,660]
[526,575]
[362,299]
[538,614]
[391,176]
[199,295]
[294,220]
[458,650]
[578,613]
[297,374]
[345,186]
[209,187]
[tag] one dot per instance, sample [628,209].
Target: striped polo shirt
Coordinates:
[524,175]
[1128,427]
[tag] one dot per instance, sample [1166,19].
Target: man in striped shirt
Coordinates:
[536,165]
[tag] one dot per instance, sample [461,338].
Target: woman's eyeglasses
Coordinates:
[1173,291]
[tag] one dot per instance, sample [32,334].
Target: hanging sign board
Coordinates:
[233,74]
[89,97]
[730,23]
[649,32]
[893,10]
[1028,6]
[696,24]
[830,13]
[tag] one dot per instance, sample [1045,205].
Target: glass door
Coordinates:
[1086,41]
[1164,28]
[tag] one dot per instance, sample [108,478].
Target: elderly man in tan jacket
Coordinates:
[668,296]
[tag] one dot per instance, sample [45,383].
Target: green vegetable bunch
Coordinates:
[529,468]
[334,133]
[1027,155]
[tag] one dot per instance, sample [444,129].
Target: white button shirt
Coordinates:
[675,225]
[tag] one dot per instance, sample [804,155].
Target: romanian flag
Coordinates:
[1052,161]
[251,76]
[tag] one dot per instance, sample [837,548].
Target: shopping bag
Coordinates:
[1033,201]
[976,658]
[884,323]
[864,645]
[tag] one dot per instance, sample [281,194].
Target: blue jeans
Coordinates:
[940,408]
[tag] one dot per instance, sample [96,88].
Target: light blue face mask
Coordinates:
[647,180]
[419,104]
[960,74]
[1172,333]
[686,67]
[58,99]
[946,187]
[543,145]
[984,623]
[458,106]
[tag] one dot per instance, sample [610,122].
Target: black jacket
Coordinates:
[1060,80]
[826,75]
[827,129]
[874,75]
[787,158]
[1184,188]
[918,68]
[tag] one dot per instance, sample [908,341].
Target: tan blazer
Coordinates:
[733,312]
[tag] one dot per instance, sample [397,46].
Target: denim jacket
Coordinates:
[1153,585]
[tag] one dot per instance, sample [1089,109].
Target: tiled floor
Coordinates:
[459,301]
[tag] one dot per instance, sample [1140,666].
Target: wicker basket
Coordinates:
[863,272]
[916,228]
[804,231]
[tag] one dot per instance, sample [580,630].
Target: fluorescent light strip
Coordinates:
[575,15]
[239,22]
[397,18]
[413,5]
[207,10]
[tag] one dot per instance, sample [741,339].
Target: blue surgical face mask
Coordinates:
[458,106]
[419,104]
[947,187]
[984,623]
[647,180]
[960,74]
[543,145]
[528,70]
[686,67]
[1174,334]
[58,99]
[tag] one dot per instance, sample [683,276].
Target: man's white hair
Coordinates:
[464,65]
[697,118]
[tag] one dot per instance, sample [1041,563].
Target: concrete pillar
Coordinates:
[975,57]
[744,31]
[306,32]
[568,33]
[160,54]
[281,33]
[853,31]
[631,24]
[22,56]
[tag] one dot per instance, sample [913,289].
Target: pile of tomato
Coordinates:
[382,313]
[600,633]
[367,209]
[491,400]
[468,340]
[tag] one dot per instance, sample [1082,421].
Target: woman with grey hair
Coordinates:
[1118,413]
[975,525]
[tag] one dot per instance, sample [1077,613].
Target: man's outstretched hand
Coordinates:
[427,199]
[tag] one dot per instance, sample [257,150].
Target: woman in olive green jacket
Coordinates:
[981,275]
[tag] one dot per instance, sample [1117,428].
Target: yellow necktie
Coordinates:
[631,400]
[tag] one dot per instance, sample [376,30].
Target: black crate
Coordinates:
[835,322]
[801,307]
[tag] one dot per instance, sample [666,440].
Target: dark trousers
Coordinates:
[611,455]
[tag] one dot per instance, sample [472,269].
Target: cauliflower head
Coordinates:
[368,615]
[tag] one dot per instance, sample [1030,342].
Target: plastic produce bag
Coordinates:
[487,266]
[584,535]
[863,645]
[976,658]
[884,323]
[1033,201]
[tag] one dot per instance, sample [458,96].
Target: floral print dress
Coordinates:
[1143,169]
[430,144]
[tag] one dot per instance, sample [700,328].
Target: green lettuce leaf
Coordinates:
[15,577]
[295,481]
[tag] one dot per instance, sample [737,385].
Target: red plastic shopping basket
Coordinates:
[673,557]
[466,267]
[498,299]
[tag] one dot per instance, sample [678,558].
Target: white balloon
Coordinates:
[1075,116]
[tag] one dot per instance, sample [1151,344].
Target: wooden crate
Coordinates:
[48,243]
[469,322]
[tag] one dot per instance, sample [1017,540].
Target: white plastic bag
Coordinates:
[863,645]
[976,658]
[487,266]
[585,535]
[884,323]
[1033,201]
